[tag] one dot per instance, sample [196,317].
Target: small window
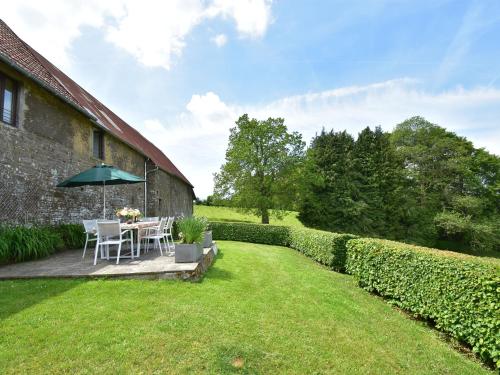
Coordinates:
[8,100]
[98,144]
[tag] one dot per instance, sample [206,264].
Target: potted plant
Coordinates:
[190,248]
[207,234]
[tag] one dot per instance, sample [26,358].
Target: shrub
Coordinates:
[23,243]
[72,235]
[459,293]
[254,233]
[191,229]
[19,243]
[324,247]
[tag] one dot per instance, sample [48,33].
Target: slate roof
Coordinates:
[29,62]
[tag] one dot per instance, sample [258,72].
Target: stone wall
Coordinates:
[53,142]
[168,196]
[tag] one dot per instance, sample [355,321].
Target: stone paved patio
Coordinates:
[69,264]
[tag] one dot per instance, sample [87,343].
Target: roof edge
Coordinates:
[24,72]
[81,110]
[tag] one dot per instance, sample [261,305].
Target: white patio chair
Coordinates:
[168,234]
[156,233]
[110,233]
[90,227]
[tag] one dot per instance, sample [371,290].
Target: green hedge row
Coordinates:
[19,243]
[325,247]
[460,293]
[255,233]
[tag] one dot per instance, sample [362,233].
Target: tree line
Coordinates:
[419,183]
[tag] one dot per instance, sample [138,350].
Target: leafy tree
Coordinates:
[261,168]
[455,187]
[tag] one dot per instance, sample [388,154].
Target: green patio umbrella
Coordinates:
[101,175]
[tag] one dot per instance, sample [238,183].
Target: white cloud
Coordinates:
[197,139]
[51,27]
[252,17]
[152,31]
[220,40]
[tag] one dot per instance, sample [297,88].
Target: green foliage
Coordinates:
[191,229]
[73,235]
[324,247]
[329,200]
[478,236]
[261,168]
[19,243]
[460,293]
[420,184]
[254,233]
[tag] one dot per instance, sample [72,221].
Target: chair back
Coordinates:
[151,218]
[90,226]
[163,222]
[170,222]
[108,229]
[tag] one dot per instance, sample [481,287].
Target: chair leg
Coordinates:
[164,244]
[159,245]
[118,254]
[96,252]
[167,241]
[131,245]
[85,247]
[171,241]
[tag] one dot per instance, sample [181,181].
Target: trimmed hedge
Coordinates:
[324,247]
[19,243]
[254,233]
[459,293]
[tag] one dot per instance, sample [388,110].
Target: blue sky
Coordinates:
[183,71]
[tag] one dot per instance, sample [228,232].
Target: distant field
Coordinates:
[230,214]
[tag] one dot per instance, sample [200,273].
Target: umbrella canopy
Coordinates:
[101,175]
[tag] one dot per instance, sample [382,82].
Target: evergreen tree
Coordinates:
[330,200]
[379,181]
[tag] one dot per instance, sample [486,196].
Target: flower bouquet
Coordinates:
[128,214]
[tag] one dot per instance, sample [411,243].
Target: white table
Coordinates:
[139,227]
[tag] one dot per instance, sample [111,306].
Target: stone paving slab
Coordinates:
[69,264]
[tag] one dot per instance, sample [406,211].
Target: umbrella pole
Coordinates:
[104,195]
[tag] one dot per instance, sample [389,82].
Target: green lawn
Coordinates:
[214,213]
[260,309]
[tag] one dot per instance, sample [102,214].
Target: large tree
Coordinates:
[353,186]
[330,199]
[455,188]
[379,178]
[262,167]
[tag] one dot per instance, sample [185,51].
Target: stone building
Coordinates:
[51,129]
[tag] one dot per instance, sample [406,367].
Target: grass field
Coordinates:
[215,213]
[259,310]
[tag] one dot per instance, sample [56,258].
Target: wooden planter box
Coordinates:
[188,253]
